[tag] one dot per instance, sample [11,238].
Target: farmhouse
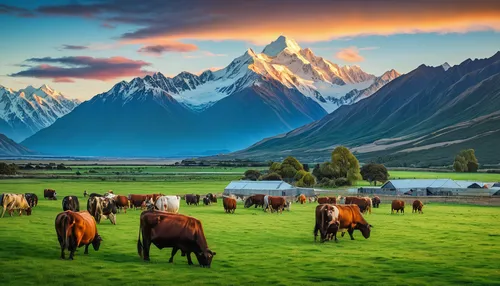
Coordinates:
[437,187]
[272,188]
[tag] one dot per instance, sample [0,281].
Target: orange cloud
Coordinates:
[306,21]
[350,54]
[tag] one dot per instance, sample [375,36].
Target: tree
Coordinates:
[271,177]
[374,172]
[299,175]
[275,167]
[345,164]
[306,167]
[291,161]
[252,175]
[308,180]
[288,172]
[8,169]
[466,161]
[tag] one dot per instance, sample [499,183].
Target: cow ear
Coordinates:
[371,225]
[214,253]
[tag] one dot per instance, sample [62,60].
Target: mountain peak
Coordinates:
[277,46]
[45,86]
[446,66]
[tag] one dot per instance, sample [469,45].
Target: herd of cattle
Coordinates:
[162,225]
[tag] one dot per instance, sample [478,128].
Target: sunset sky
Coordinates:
[83,48]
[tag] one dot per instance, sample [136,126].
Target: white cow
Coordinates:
[266,204]
[168,204]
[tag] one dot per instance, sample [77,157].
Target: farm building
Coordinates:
[272,188]
[437,187]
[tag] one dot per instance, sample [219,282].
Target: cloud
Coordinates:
[210,54]
[73,47]
[17,11]
[66,69]
[157,21]
[174,47]
[107,26]
[350,54]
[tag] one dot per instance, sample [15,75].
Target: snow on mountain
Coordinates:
[282,60]
[446,66]
[28,110]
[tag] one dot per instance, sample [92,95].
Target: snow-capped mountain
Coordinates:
[282,60]
[356,95]
[26,111]
[446,66]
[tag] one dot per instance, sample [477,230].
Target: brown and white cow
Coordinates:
[76,229]
[11,202]
[178,231]
[276,203]
[49,194]
[418,206]
[229,204]
[121,202]
[100,207]
[324,216]
[398,205]
[364,203]
[301,199]
[348,218]
[327,200]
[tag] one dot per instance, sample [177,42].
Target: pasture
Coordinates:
[448,244]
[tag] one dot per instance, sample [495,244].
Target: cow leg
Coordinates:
[61,243]
[86,249]
[174,251]
[188,254]
[351,231]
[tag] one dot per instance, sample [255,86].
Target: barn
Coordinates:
[436,187]
[272,188]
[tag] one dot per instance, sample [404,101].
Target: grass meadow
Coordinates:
[448,244]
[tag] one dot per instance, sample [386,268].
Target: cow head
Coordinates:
[28,211]
[248,202]
[96,243]
[365,229]
[205,258]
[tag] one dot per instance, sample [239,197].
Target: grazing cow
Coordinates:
[376,201]
[288,205]
[276,203]
[192,199]
[348,218]
[168,204]
[364,203]
[398,205]
[313,199]
[100,207]
[212,198]
[136,201]
[418,206]
[229,204]
[32,199]
[301,198]
[173,230]
[257,200]
[85,194]
[148,205]
[49,194]
[324,216]
[327,200]
[11,202]
[71,203]
[121,202]
[206,201]
[76,229]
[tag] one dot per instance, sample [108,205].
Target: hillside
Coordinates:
[10,148]
[423,117]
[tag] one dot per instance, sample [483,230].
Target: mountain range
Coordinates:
[26,111]
[256,96]
[421,118]
[10,148]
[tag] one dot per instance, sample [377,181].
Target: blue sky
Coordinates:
[402,47]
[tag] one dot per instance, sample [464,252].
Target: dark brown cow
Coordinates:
[136,201]
[173,230]
[418,206]
[348,218]
[212,198]
[76,229]
[276,203]
[229,204]
[257,200]
[49,194]
[398,205]
[32,199]
[71,203]
[206,201]
[121,202]
[376,201]
[364,203]
[324,215]
[192,199]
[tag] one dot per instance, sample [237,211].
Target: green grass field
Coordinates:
[448,244]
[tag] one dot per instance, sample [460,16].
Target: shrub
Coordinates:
[252,175]
[339,182]
[271,177]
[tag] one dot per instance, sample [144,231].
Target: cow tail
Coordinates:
[322,221]
[139,244]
